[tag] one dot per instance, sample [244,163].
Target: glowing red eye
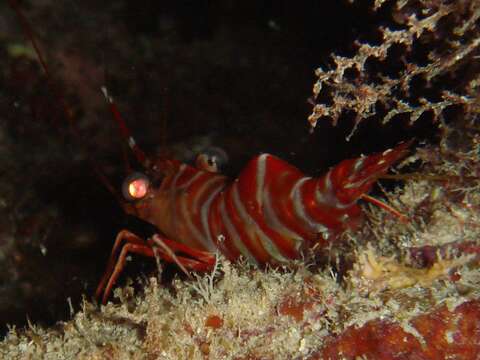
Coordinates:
[135,186]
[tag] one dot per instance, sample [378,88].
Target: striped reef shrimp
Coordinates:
[271,213]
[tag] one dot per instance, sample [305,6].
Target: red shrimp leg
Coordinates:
[385,207]
[202,256]
[165,248]
[126,249]
[122,236]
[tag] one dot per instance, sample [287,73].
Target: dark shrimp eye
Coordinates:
[215,157]
[135,186]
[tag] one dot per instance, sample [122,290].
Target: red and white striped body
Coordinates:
[270,214]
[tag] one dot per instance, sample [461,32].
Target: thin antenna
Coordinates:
[124,131]
[58,95]
[165,111]
[28,31]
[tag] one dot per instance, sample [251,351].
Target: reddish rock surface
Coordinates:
[442,334]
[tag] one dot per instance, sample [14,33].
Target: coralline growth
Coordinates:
[424,62]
